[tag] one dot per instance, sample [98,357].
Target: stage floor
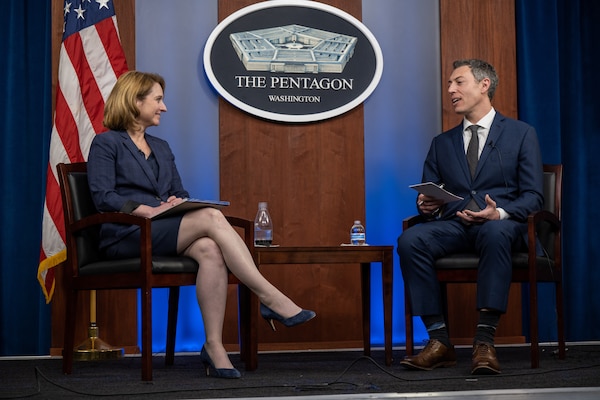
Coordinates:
[590,393]
[314,375]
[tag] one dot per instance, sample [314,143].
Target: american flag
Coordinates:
[91,60]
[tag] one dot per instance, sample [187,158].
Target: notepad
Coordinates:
[437,191]
[191,204]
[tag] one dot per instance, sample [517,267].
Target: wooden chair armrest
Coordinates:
[109,217]
[546,216]
[130,219]
[248,227]
[245,224]
[121,218]
[533,221]
[412,221]
[145,226]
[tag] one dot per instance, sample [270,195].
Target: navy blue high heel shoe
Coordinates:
[300,318]
[226,373]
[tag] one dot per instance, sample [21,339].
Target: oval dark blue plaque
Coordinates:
[293,60]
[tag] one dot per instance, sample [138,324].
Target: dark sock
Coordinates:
[486,327]
[436,328]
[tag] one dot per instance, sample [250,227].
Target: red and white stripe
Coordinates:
[90,63]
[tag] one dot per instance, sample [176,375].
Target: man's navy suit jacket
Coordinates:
[509,168]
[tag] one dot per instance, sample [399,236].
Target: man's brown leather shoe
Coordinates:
[434,355]
[484,359]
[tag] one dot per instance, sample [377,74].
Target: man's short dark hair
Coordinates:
[481,69]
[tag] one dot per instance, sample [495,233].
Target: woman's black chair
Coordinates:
[529,268]
[87,270]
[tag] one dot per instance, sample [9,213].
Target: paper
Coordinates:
[191,204]
[437,191]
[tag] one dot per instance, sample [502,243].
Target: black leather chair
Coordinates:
[528,268]
[86,270]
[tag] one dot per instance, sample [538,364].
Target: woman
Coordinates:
[131,171]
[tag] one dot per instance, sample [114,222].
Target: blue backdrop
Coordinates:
[557,94]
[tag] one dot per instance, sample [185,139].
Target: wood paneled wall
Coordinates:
[483,29]
[312,176]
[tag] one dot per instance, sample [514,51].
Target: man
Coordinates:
[501,184]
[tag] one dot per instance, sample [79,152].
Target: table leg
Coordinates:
[365,284]
[387,277]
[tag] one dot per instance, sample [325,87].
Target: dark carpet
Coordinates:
[292,374]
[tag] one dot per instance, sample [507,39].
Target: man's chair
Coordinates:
[86,270]
[528,267]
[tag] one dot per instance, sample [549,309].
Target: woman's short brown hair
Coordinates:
[120,110]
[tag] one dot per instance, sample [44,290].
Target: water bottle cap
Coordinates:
[262,205]
[357,222]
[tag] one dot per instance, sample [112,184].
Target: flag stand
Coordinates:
[94,348]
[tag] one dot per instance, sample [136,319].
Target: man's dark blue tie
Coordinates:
[472,159]
[473,150]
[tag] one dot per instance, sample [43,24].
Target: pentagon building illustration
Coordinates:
[293,49]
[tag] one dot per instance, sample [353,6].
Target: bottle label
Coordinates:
[357,236]
[266,243]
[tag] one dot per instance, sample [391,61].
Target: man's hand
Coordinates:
[489,213]
[428,205]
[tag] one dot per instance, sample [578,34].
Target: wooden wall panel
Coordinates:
[116,309]
[482,29]
[312,176]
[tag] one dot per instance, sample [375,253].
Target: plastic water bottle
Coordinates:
[357,234]
[263,226]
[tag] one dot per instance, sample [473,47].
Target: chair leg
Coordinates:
[533,325]
[365,286]
[247,308]
[243,311]
[446,312]
[408,321]
[172,324]
[69,334]
[560,323]
[146,333]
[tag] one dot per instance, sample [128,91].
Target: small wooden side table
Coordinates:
[364,255]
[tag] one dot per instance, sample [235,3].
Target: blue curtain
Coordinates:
[558,58]
[25,104]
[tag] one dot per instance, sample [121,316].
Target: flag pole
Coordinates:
[94,348]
